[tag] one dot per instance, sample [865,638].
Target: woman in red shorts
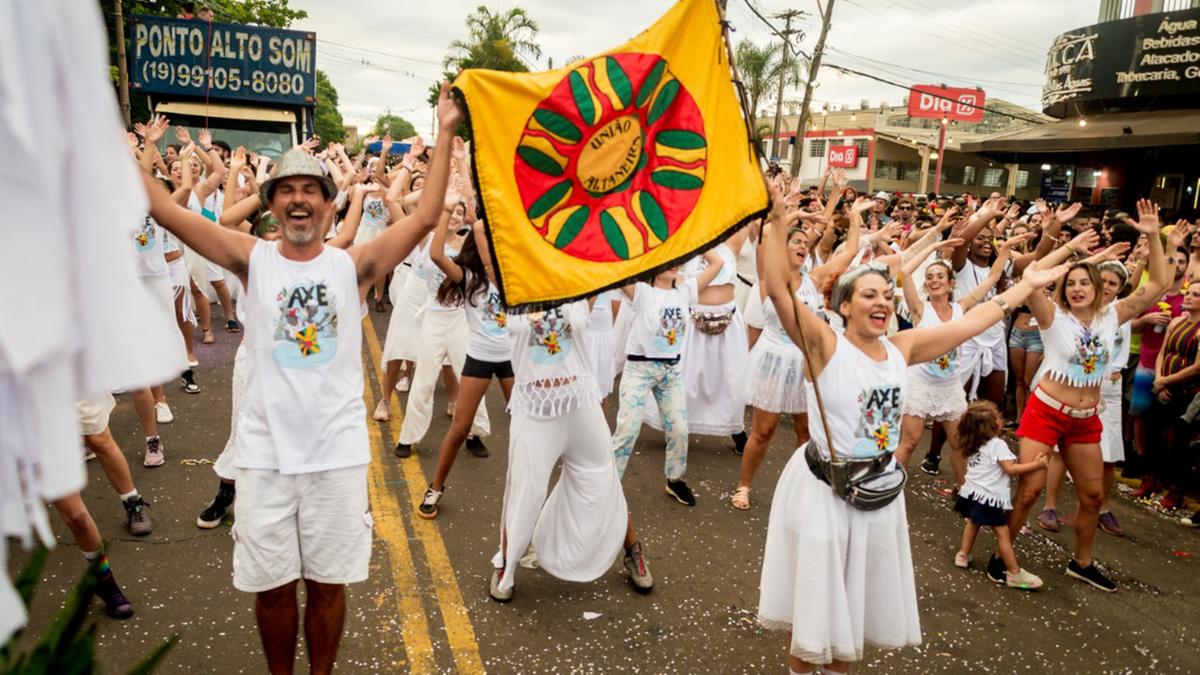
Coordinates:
[1064,407]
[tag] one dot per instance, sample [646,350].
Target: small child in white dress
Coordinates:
[985,499]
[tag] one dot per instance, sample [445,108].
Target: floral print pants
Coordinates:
[665,382]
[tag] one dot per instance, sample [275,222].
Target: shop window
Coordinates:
[910,171]
[993,177]
[863,145]
[816,147]
[887,170]
[968,175]
[1022,179]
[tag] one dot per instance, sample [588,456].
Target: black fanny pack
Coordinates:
[865,484]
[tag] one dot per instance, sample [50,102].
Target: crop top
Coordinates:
[1075,354]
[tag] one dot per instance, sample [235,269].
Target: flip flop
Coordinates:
[208,338]
[740,499]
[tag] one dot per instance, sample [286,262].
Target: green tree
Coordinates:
[759,68]
[327,120]
[495,41]
[397,126]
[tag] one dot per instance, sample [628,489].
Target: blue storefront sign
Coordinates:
[222,61]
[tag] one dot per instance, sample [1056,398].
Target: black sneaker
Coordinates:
[215,513]
[1092,575]
[739,443]
[232,326]
[404,449]
[930,464]
[138,516]
[116,604]
[476,446]
[681,492]
[189,382]
[996,570]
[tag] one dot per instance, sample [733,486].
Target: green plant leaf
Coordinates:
[148,664]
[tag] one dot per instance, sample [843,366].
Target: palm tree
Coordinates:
[759,67]
[496,40]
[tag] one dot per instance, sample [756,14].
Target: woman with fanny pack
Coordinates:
[837,570]
[1079,334]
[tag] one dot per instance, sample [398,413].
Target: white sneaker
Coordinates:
[381,411]
[403,384]
[530,560]
[162,413]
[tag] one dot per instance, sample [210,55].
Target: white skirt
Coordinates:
[601,353]
[404,325]
[225,466]
[837,577]
[1112,441]
[774,380]
[713,368]
[938,402]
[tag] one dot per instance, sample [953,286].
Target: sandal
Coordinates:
[208,338]
[740,499]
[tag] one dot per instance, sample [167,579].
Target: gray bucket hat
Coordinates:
[297,163]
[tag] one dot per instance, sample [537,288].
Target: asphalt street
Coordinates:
[426,608]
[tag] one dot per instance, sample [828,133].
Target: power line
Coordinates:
[786,42]
[947,76]
[978,47]
[376,51]
[918,6]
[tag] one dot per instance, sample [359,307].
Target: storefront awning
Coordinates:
[226,111]
[1113,131]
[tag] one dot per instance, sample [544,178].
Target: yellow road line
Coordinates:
[389,526]
[459,631]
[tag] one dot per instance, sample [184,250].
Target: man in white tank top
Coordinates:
[302,439]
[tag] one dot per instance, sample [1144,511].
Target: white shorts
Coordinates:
[93,413]
[314,526]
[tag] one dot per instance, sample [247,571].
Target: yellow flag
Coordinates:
[614,166]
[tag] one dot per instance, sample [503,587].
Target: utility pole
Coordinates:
[783,68]
[813,69]
[122,67]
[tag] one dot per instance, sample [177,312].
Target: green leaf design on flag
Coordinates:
[549,199]
[612,233]
[558,125]
[583,98]
[676,180]
[666,96]
[572,227]
[539,160]
[651,81]
[655,219]
[680,139]
[619,80]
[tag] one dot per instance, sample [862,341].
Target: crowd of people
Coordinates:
[866,319]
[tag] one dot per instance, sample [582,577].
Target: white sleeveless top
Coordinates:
[302,409]
[863,401]
[552,370]
[728,272]
[944,369]
[968,279]
[1075,354]
[807,294]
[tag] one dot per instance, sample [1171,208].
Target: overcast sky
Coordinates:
[384,55]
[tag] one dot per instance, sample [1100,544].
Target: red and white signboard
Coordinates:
[845,156]
[955,103]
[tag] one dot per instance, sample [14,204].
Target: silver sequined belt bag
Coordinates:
[712,323]
[865,484]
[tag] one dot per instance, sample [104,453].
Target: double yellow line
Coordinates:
[393,521]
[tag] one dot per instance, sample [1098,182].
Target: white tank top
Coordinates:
[944,369]
[863,401]
[1075,354]
[807,294]
[968,279]
[302,410]
[728,272]
[553,373]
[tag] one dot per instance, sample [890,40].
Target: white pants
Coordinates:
[443,336]
[580,528]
